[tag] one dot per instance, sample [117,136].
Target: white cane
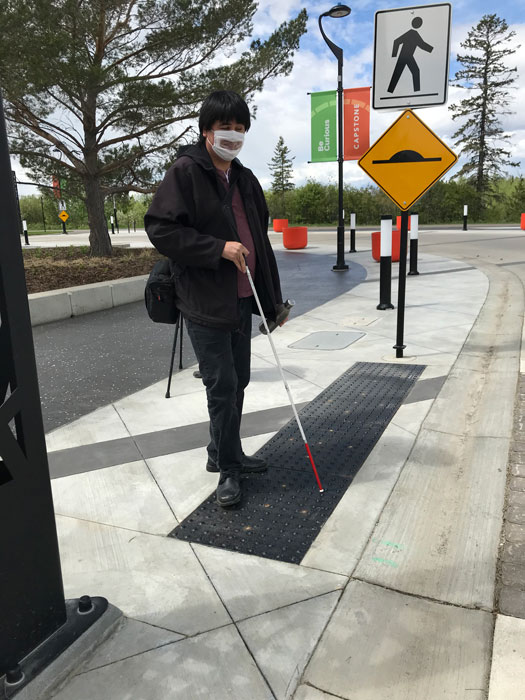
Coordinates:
[321,490]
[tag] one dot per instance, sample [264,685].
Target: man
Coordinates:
[209,216]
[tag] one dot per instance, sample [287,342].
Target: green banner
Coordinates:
[324,126]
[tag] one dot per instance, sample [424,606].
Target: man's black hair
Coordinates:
[223,106]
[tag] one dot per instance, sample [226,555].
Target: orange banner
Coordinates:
[356,122]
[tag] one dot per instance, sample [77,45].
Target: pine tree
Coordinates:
[102,93]
[487,79]
[281,168]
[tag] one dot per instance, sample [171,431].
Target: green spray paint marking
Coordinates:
[385,561]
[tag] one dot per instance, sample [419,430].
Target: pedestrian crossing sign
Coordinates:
[407,160]
[411,56]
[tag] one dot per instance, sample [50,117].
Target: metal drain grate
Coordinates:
[282,511]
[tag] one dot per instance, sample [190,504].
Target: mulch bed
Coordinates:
[55,268]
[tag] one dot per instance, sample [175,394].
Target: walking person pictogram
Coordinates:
[409,42]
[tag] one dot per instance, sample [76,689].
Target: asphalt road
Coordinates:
[93,360]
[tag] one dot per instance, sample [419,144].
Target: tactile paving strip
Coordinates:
[282,511]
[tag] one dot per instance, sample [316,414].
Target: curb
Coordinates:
[59,304]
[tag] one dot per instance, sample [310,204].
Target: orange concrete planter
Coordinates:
[398,225]
[295,237]
[280,224]
[523,221]
[376,245]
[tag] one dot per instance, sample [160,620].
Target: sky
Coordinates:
[283,107]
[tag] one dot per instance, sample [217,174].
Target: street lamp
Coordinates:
[336,12]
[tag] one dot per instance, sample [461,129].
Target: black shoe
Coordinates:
[229,491]
[250,465]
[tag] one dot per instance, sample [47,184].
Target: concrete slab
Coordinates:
[507,676]
[215,664]
[124,496]
[153,579]
[129,639]
[90,297]
[45,307]
[438,535]
[250,585]
[183,479]
[308,692]
[383,644]
[476,402]
[128,290]
[343,537]
[97,426]
[282,641]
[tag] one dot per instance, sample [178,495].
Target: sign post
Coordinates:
[405,162]
[411,56]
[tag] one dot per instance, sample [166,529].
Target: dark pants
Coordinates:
[224,362]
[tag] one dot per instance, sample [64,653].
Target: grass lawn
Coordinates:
[55,268]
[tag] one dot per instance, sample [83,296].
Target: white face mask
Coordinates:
[227,144]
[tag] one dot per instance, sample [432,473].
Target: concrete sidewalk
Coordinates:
[394,599]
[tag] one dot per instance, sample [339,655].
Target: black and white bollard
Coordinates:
[414,233]
[24,229]
[385,264]
[465,215]
[112,225]
[115,215]
[352,233]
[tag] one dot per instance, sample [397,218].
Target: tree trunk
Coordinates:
[99,240]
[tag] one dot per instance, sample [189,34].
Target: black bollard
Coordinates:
[414,234]
[112,225]
[465,215]
[385,265]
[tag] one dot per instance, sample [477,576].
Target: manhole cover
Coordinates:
[327,340]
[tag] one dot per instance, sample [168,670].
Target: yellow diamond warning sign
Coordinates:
[63,215]
[407,160]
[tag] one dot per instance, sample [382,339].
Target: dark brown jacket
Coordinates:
[189,221]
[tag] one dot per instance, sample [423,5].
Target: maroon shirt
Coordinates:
[243,229]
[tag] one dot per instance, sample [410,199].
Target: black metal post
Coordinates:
[352,233]
[37,623]
[64,230]
[31,594]
[385,265]
[134,226]
[43,215]
[128,226]
[414,234]
[399,347]
[340,264]
[465,215]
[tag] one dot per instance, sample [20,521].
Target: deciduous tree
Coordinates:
[103,92]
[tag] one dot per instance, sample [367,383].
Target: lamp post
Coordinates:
[336,12]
